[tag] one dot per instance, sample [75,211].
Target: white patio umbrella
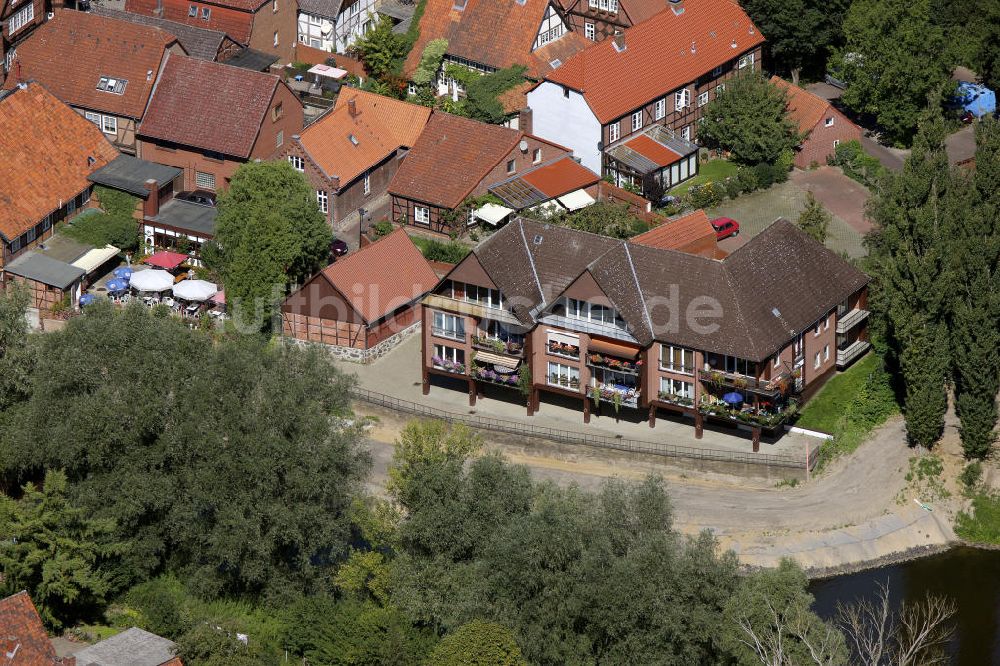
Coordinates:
[151,280]
[195,290]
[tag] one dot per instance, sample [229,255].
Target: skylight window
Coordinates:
[353,139]
[111,85]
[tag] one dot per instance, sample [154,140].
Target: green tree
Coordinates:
[271,234]
[482,101]
[477,643]
[227,462]
[430,62]
[975,306]
[911,279]
[893,63]
[100,229]
[749,119]
[791,27]
[769,621]
[381,49]
[56,551]
[815,219]
[217,643]
[15,357]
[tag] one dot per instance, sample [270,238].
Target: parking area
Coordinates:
[755,212]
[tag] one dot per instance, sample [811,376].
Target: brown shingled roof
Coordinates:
[383,276]
[209,105]
[22,637]
[70,53]
[450,158]
[774,287]
[380,126]
[658,57]
[46,148]
[197,42]
[496,33]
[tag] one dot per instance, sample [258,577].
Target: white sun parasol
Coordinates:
[195,290]
[151,280]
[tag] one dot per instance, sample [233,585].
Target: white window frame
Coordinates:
[686,133]
[614,132]
[201,180]
[279,138]
[828,122]
[590,31]
[536,156]
[297,163]
[93,117]
[452,354]
[109,125]
[682,99]
[192,11]
[275,38]
[777,361]
[206,13]
[637,121]
[422,215]
[563,373]
[366,184]
[511,166]
[816,361]
[703,98]
[826,353]
[660,109]
[446,325]
[23,17]
[745,61]
[818,329]
[721,88]
[677,387]
[485,296]
[667,359]
[323,200]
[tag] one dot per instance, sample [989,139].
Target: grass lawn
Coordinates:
[711,171]
[982,525]
[827,407]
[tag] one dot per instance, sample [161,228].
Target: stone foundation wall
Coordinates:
[364,356]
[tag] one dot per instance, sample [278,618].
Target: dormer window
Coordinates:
[193,11]
[353,139]
[111,85]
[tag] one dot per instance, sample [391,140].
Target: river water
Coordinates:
[968,576]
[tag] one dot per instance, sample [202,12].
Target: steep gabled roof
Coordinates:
[691,233]
[661,54]
[22,634]
[804,108]
[209,105]
[383,276]
[450,158]
[328,9]
[496,33]
[379,127]
[48,152]
[196,42]
[72,52]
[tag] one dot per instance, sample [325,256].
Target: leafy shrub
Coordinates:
[971,475]
[733,187]
[765,173]
[100,229]
[785,161]
[747,179]
[115,202]
[160,605]
[857,164]
[708,195]
[434,250]
[381,228]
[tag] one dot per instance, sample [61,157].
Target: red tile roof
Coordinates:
[23,640]
[383,276]
[45,147]
[680,234]
[380,127]
[634,11]
[70,53]
[496,33]
[209,106]
[657,58]
[451,157]
[804,108]
[653,150]
[563,176]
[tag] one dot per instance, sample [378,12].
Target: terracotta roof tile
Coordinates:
[653,150]
[680,233]
[496,33]
[657,57]
[390,272]
[71,52]
[209,105]
[197,42]
[450,158]
[804,108]
[23,636]
[46,146]
[381,126]
[633,10]
[563,176]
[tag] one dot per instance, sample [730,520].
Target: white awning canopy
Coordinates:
[328,72]
[576,200]
[493,214]
[93,259]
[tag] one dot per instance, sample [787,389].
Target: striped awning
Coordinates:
[496,359]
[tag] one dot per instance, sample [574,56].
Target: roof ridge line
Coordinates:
[531,259]
[635,276]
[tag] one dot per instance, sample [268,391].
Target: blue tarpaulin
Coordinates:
[976,98]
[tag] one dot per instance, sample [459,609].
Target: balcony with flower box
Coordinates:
[571,383]
[771,388]
[605,362]
[675,399]
[619,395]
[769,418]
[564,350]
[512,347]
[495,376]
[447,365]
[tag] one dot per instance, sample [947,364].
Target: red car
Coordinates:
[725,227]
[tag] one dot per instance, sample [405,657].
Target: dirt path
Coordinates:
[847,516]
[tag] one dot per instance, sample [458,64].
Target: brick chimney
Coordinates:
[619,40]
[352,107]
[524,120]
[151,204]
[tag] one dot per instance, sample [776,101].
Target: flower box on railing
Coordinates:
[612,363]
[675,399]
[447,365]
[498,346]
[564,349]
[494,377]
[629,398]
[572,384]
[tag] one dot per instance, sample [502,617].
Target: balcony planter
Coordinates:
[448,366]
[563,349]
[675,399]
[611,363]
[497,346]
[498,378]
